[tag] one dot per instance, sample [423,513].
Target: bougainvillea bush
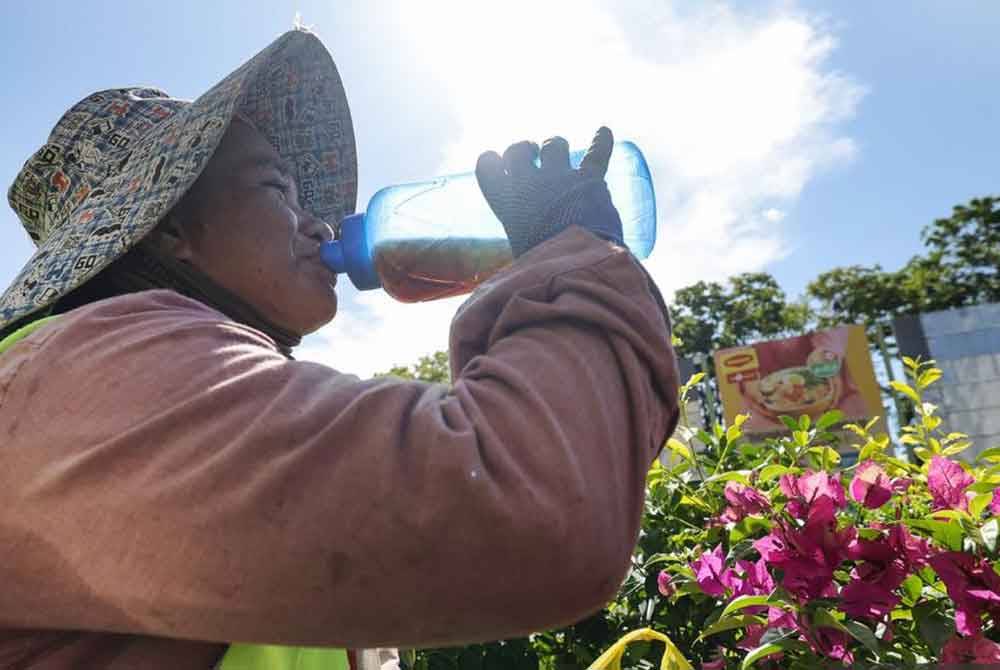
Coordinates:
[794,562]
[770,554]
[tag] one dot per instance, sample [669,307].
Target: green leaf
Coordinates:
[928,377]
[729,623]
[912,587]
[742,602]
[748,527]
[733,433]
[801,437]
[804,422]
[766,650]
[734,476]
[679,448]
[949,514]
[695,502]
[829,419]
[775,470]
[863,634]
[823,618]
[983,487]
[949,535]
[934,627]
[979,503]
[956,448]
[989,532]
[790,423]
[906,390]
[693,380]
[825,456]
[992,454]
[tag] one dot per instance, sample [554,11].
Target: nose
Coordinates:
[315,228]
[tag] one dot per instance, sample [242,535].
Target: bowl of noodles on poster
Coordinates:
[806,375]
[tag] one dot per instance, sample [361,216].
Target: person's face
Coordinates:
[241,224]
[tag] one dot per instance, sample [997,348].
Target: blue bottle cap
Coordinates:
[351,254]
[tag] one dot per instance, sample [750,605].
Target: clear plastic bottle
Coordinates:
[439,238]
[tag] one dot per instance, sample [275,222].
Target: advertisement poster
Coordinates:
[810,374]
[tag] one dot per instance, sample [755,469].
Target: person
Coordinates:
[179,492]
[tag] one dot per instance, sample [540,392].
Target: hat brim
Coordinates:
[292,93]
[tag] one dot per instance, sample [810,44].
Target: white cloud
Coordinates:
[773,215]
[735,113]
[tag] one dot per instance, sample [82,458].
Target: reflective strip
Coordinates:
[270,657]
[23,332]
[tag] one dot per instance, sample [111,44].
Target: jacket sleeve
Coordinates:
[167,472]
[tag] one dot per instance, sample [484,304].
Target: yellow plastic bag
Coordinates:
[612,658]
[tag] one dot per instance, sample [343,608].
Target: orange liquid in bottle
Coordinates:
[417,270]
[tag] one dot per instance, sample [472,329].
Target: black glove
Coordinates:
[536,203]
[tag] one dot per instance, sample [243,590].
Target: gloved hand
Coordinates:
[535,203]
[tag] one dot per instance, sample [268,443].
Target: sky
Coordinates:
[786,136]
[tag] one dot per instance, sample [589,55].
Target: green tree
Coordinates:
[960,267]
[748,307]
[433,368]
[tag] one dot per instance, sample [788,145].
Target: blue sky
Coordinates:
[788,136]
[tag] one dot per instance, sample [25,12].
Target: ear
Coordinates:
[173,238]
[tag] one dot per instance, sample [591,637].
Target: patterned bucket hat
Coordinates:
[120,159]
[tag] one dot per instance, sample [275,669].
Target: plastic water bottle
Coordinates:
[439,238]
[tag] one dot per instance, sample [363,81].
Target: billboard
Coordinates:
[809,374]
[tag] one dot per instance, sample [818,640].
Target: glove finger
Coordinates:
[519,159]
[595,162]
[490,175]
[555,155]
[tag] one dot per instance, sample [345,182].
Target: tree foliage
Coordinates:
[433,368]
[959,268]
[749,306]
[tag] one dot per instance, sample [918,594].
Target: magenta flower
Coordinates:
[995,503]
[807,556]
[862,599]
[947,481]
[972,584]
[830,642]
[883,565]
[812,494]
[664,584]
[750,579]
[871,486]
[709,570]
[975,650]
[718,662]
[912,549]
[743,500]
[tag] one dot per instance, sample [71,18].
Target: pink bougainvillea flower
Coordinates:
[995,503]
[912,549]
[947,481]
[901,485]
[812,494]
[743,500]
[807,556]
[973,650]
[972,584]
[750,579]
[863,599]
[871,486]
[664,584]
[709,570]
[831,643]
[718,662]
